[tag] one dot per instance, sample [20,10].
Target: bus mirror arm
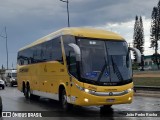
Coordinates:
[138,54]
[76,50]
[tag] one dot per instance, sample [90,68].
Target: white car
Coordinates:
[2,84]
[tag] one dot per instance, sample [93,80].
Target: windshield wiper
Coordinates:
[116,70]
[102,71]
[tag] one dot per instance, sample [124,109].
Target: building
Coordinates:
[148,63]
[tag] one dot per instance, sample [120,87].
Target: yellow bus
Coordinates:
[78,66]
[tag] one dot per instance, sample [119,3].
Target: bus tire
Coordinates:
[65,105]
[26,94]
[29,95]
[106,109]
[23,88]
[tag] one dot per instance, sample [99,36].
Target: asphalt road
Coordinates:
[13,100]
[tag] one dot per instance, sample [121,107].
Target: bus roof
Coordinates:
[79,32]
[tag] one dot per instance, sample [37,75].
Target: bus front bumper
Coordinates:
[86,99]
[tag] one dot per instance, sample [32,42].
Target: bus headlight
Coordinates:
[89,91]
[129,90]
[86,90]
[79,87]
[130,98]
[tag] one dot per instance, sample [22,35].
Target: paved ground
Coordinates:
[13,100]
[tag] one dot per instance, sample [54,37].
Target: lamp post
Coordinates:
[66,1]
[6,37]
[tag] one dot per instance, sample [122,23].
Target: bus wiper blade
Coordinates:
[116,70]
[102,71]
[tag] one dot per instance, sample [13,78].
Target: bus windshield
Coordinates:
[105,62]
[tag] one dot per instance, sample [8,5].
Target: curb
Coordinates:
[147,88]
[147,93]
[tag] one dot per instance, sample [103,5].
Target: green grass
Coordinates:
[145,81]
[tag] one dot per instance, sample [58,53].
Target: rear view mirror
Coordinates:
[138,54]
[76,50]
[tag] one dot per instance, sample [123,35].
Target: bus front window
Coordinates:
[119,61]
[104,62]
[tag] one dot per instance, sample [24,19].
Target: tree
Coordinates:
[142,43]
[135,35]
[156,59]
[141,37]
[154,29]
[138,38]
[155,33]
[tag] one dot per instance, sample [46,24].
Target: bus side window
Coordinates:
[70,55]
[72,66]
[57,50]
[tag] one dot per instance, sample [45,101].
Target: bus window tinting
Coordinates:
[47,51]
[70,56]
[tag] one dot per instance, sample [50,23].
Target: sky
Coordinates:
[29,20]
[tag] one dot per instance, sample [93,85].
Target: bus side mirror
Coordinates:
[76,50]
[138,54]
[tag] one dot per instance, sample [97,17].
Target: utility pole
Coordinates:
[6,37]
[6,45]
[66,1]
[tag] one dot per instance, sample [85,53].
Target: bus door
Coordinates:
[72,68]
[70,61]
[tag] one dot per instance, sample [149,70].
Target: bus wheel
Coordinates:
[106,109]
[29,95]
[27,92]
[23,88]
[65,105]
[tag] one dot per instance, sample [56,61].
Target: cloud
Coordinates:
[94,12]
[82,13]
[126,30]
[28,20]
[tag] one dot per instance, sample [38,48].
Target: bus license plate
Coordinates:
[110,100]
